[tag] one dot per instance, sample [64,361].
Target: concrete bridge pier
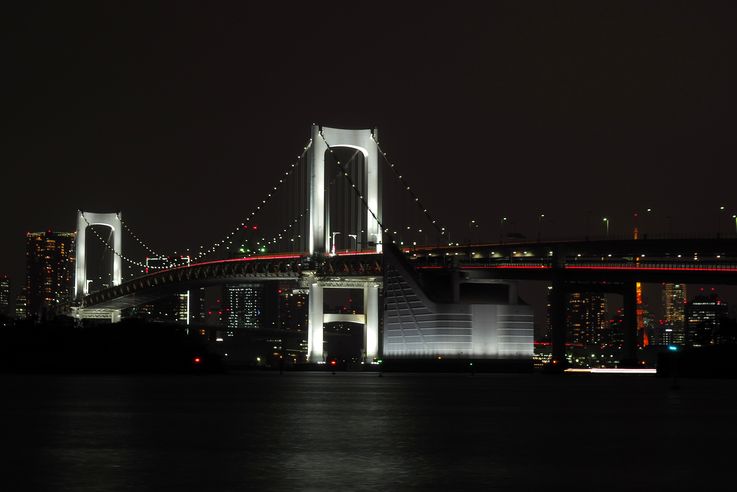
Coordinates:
[316,319]
[629,305]
[371,325]
[558,297]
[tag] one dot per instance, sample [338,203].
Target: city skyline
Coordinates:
[375,246]
[345,191]
[573,151]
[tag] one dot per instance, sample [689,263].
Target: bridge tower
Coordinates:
[363,141]
[320,232]
[85,220]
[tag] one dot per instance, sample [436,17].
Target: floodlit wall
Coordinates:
[416,327]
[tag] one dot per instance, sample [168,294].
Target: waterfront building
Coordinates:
[673,329]
[587,318]
[704,315]
[292,309]
[5,296]
[249,305]
[49,271]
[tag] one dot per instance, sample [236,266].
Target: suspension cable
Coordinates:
[407,188]
[203,252]
[254,212]
[136,238]
[293,223]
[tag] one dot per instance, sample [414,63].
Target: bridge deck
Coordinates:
[710,260]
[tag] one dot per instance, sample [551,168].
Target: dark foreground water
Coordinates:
[316,431]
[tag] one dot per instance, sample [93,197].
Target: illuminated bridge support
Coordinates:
[371,331]
[317,318]
[363,141]
[85,220]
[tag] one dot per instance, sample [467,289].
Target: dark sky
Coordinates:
[177,113]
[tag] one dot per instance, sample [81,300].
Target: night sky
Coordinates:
[181,114]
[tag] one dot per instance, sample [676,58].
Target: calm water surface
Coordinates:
[352,431]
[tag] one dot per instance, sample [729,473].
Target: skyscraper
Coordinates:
[49,271]
[198,305]
[21,305]
[250,305]
[586,318]
[292,309]
[614,337]
[674,304]
[704,316]
[5,296]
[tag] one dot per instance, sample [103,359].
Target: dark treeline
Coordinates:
[131,346]
[717,361]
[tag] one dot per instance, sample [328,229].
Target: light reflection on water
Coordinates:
[316,431]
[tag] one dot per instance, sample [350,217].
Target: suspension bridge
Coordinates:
[323,225]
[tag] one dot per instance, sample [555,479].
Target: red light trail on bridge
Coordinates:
[650,268]
[248,258]
[586,267]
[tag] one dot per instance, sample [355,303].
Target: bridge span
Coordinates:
[337,187]
[570,266]
[659,260]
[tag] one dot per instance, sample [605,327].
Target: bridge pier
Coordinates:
[558,297]
[629,305]
[371,327]
[558,324]
[315,320]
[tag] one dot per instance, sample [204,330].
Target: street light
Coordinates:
[332,248]
[606,221]
[735,223]
[501,229]
[355,239]
[719,220]
[472,226]
[540,226]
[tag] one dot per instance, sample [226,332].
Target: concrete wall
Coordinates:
[417,327]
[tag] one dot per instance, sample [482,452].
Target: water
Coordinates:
[354,431]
